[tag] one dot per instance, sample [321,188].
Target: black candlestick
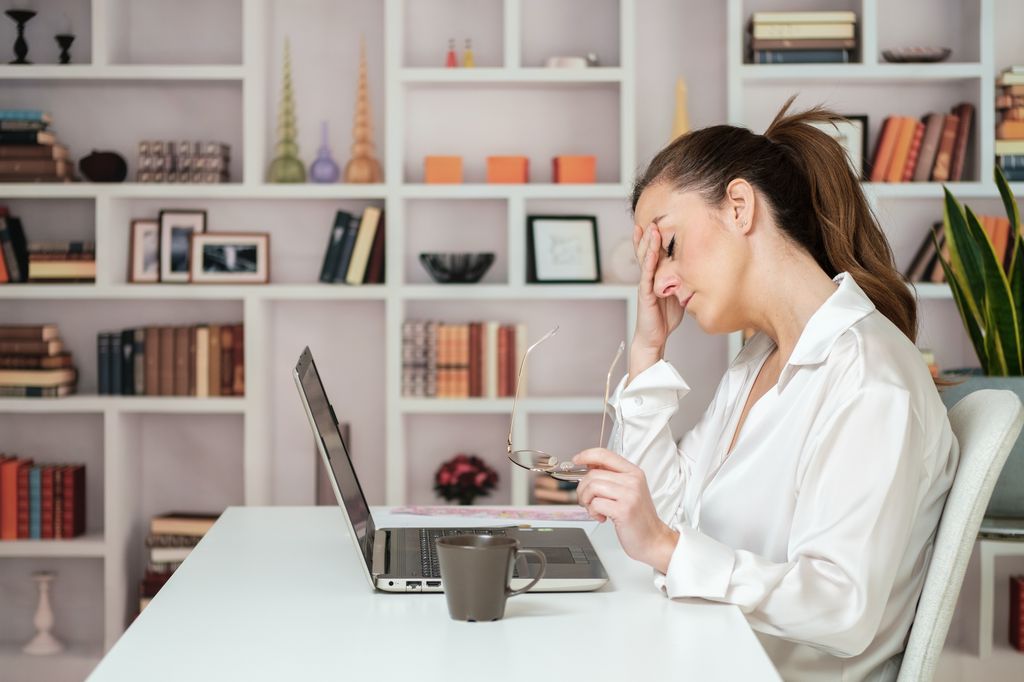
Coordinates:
[20,46]
[64,40]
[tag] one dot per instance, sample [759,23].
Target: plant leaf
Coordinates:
[970,320]
[1000,313]
[1015,270]
[964,261]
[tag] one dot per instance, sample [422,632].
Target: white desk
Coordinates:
[275,593]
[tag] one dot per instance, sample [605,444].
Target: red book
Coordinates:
[503,362]
[22,482]
[1017,612]
[58,502]
[475,364]
[73,500]
[46,502]
[9,499]
[914,153]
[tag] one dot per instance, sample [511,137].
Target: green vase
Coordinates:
[286,166]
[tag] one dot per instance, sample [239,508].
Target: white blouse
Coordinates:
[819,525]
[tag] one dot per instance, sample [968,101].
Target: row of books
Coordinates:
[355,248]
[170,539]
[203,360]
[925,266]
[1010,122]
[41,501]
[547,490]
[29,151]
[467,360]
[183,161]
[34,363]
[933,148]
[812,37]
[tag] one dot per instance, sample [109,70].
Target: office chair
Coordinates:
[986,424]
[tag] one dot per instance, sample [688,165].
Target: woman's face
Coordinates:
[701,255]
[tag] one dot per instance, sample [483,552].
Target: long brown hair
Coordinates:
[811,192]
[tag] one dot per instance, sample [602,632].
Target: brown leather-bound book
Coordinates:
[238,373]
[915,150]
[165,378]
[375,270]
[474,359]
[908,126]
[22,500]
[929,146]
[227,358]
[940,173]
[28,332]
[45,348]
[938,275]
[9,497]
[58,502]
[965,110]
[73,521]
[214,376]
[918,268]
[60,361]
[886,146]
[181,356]
[191,361]
[152,361]
[803,44]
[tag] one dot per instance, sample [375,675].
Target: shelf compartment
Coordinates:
[467,226]
[943,23]
[150,31]
[595,28]
[535,121]
[434,439]
[52,17]
[428,26]
[74,663]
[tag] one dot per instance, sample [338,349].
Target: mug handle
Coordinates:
[543,567]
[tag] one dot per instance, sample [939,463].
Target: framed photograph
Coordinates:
[852,135]
[176,227]
[562,249]
[144,251]
[230,258]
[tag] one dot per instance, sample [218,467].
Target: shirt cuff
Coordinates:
[700,567]
[656,388]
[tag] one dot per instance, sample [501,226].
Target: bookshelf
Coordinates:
[148,455]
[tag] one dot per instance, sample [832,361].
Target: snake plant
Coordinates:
[989,295]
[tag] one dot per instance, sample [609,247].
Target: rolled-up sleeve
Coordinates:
[642,435]
[856,499]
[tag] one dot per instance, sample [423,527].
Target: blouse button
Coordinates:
[638,401]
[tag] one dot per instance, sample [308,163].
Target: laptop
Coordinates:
[405,559]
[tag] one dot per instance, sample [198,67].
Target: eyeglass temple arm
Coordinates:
[519,379]
[607,388]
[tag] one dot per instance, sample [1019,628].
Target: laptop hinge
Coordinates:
[379,564]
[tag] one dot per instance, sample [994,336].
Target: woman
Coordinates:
[809,492]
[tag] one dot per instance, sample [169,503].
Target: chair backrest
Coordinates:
[986,424]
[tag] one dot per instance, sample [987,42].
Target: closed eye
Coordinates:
[671,248]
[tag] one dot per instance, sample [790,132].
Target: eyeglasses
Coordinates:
[537,460]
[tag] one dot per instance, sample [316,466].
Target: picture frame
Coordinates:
[176,229]
[562,249]
[852,136]
[144,251]
[230,258]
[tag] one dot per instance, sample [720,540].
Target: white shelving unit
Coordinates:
[761,88]
[125,423]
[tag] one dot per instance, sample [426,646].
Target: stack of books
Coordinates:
[41,501]
[547,490]
[1010,122]
[825,37]
[355,248]
[33,362]
[183,161]
[170,540]
[925,266]
[467,360]
[29,151]
[930,149]
[203,360]
[61,262]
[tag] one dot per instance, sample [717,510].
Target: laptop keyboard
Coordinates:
[428,546]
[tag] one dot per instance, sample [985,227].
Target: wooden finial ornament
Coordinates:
[364,166]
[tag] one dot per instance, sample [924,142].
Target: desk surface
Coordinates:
[276,593]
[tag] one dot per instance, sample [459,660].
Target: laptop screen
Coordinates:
[337,452]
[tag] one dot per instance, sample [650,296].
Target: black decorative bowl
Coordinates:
[456,268]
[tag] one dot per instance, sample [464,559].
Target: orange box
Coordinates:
[442,169]
[508,169]
[574,169]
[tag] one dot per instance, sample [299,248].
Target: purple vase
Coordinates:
[323,168]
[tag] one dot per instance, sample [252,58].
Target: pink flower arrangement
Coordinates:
[463,477]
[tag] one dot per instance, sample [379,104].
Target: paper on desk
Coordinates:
[572,514]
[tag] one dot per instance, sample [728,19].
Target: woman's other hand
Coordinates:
[656,317]
[617,489]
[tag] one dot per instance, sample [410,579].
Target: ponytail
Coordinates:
[811,192]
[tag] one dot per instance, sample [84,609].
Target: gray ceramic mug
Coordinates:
[476,572]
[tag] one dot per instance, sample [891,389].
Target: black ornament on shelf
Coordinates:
[21,16]
[103,167]
[456,268]
[64,40]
